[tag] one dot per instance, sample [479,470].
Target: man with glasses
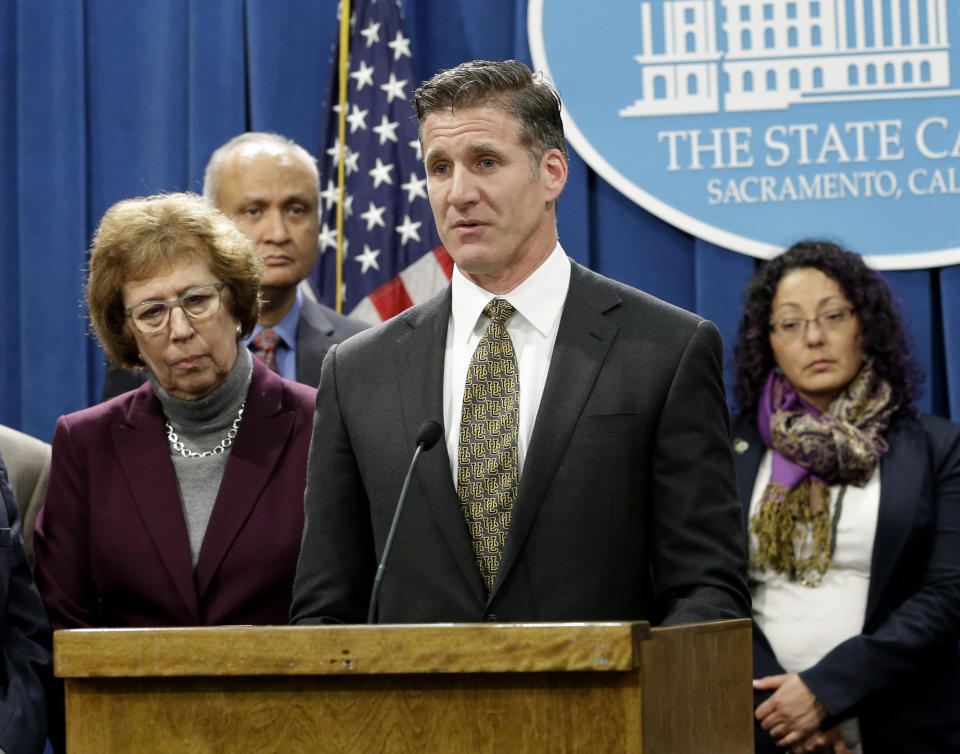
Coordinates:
[269,186]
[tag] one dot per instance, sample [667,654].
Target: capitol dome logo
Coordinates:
[754,123]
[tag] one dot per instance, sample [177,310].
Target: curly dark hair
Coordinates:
[881,329]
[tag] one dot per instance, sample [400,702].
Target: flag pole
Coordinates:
[344,79]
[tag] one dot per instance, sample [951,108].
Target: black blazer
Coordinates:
[24,638]
[320,327]
[900,676]
[626,507]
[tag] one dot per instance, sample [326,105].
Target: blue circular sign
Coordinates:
[753,123]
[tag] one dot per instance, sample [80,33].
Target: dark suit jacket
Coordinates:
[28,463]
[626,507]
[25,637]
[319,328]
[900,676]
[111,544]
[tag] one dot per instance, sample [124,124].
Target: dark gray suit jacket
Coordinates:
[626,508]
[320,327]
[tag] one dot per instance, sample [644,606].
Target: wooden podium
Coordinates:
[445,688]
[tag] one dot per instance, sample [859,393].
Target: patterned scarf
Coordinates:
[812,451]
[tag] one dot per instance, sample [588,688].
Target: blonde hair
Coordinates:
[141,237]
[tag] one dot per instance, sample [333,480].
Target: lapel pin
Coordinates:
[740,446]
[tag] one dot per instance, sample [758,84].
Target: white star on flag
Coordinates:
[386,130]
[409,229]
[363,75]
[381,173]
[374,216]
[394,88]
[368,259]
[415,187]
[371,33]
[330,194]
[357,119]
[400,46]
[350,163]
[327,238]
[334,151]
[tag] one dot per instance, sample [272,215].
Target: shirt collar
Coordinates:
[286,328]
[539,298]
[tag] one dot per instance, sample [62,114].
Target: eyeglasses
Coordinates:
[201,302]
[790,328]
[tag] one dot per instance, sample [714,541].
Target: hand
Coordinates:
[819,742]
[792,713]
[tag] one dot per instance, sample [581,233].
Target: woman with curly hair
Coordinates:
[852,507]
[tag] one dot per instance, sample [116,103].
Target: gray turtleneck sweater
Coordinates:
[201,425]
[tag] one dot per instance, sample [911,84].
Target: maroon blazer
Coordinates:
[111,542]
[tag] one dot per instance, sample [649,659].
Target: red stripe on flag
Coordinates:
[444,260]
[391,298]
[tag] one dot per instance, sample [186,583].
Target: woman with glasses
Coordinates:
[852,507]
[181,502]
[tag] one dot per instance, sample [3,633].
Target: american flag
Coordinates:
[392,257]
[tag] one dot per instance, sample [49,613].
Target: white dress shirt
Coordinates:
[538,302]
[804,623]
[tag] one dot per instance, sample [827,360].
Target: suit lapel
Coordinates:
[417,352]
[314,338]
[260,443]
[748,450]
[138,446]
[902,486]
[583,341]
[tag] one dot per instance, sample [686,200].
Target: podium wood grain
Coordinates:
[592,687]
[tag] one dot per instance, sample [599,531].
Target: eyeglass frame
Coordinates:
[849,312]
[169,305]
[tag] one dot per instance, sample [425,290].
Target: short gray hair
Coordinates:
[211,175]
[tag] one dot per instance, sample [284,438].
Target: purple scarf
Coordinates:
[811,452]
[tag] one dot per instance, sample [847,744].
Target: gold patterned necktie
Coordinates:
[487,464]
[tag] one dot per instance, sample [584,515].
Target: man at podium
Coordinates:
[584,470]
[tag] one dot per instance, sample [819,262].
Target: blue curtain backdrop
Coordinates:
[106,99]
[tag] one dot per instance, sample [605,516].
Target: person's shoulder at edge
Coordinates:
[26,643]
[342,324]
[112,409]
[397,325]
[632,296]
[943,434]
[299,393]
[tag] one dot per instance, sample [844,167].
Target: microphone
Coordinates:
[427,436]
